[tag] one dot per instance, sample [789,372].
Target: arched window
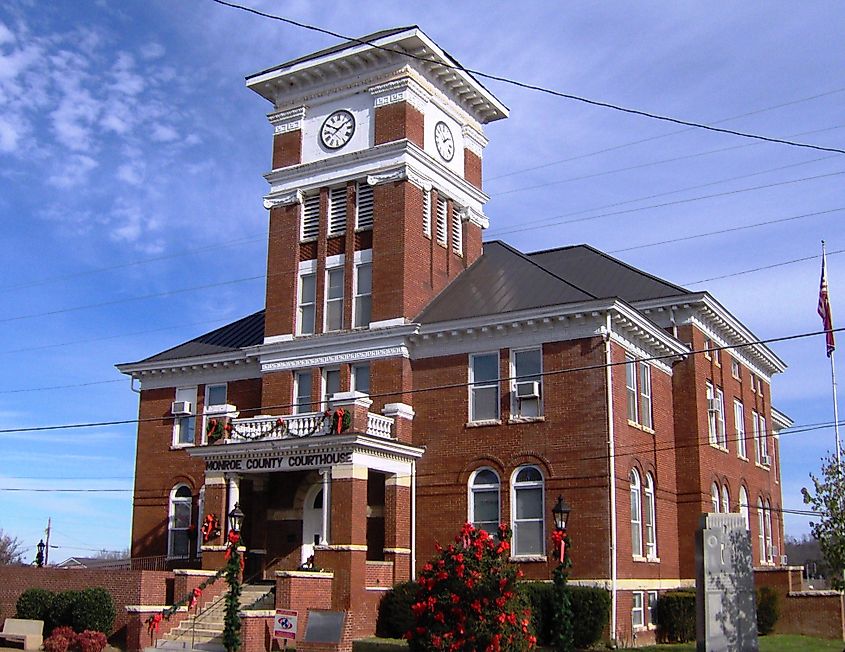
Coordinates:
[714,497]
[743,507]
[528,512]
[650,514]
[770,549]
[636,515]
[484,500]
[726,500]
[761,530]
[181,504]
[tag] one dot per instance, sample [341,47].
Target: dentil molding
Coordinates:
[285,121]
[401,90]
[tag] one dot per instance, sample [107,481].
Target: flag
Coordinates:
[824,307]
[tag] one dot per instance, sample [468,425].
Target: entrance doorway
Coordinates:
[312,522]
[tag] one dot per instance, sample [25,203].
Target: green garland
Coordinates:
[172,609]
[222,428]
[231,620]
[562,635]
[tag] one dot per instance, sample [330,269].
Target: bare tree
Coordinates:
[11,549]
[113,555]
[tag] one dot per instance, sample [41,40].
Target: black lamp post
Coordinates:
[563,626]
[39,557]
[231,620]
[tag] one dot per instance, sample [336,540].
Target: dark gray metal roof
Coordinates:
[501,280]
[335,48]
[603,275]
[247,331]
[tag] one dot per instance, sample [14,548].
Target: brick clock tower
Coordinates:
[375,189]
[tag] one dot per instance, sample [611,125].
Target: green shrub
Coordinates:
[539,596]
[60,612]
[590,614]
[93,609]
[394,611]
[676,616]
[768,610]
[34,604]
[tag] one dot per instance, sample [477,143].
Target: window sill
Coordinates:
[723,449]
[539,419]
[639,426]
[176,447]
[521,559]
[482,423]
[744,458]
[762,466]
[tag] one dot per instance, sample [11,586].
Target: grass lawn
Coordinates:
[772,643]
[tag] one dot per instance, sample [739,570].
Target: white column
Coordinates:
[234,485]
[327,488]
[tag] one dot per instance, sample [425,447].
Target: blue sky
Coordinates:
[131,157]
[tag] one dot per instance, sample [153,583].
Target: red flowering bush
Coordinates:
[467,599]
[64,639]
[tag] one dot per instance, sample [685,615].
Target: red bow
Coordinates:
[340,413]
[152,623]
[194,598]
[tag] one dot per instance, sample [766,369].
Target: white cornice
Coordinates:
[780,421]
[710,316]
[283,199]
[199,370]
[285,121]
[400,90]
[474,140]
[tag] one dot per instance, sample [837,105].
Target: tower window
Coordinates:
[427,213]
[337,211]
[364,206]
[307,303]
[363,302]
[311,217]
[441,221]
[457,233]
[334,299]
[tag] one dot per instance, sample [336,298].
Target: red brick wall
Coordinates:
[124,586]
[472,168]
[397,121]
[282,270]
[379,574]
[287,149]
[811,613]
[301,594]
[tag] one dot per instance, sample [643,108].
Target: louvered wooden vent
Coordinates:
[427,212]
[364,206]
[311,217]
[441,220]
[337,211]
[457,232]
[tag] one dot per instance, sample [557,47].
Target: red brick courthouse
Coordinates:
[476,382]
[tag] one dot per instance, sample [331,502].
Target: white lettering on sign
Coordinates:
[284,624]
[281,462]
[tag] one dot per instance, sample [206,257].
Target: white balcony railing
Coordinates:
[299,425]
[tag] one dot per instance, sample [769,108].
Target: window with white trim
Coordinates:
[457,233]
[652,607]
[484,386]
[307,304]
[184,426]
[716,416]
[631,387]
[362,303]
[337,211]
[181,506]
[485,500]
[361,378]
[739,429]
[755,428]
[636,514]
[529,524]
[761,530]
[714,497]
[764,442]
[215,396]
[311,217]
[637,613]
[200,517]
[331,386]
[334,299]
[770,549]
[743,507]
[726,500]
[364,206]
[442,223]
[302,381]
[650,517]
[708,345]
[735,370]
[646,418]
[527,383]
[426,206]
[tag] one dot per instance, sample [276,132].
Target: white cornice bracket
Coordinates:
[400,90]
[470,215]
[285,121]
[399,174]
[283,199]
[474,140]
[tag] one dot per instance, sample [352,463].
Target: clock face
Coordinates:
[444,141]
[337,130]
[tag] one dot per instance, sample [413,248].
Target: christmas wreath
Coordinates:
[217,429]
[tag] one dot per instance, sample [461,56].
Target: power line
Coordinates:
[42,389]
[419,390]
[764,267]
[663,205]
[534,87]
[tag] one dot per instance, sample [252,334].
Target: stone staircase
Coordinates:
[204,630]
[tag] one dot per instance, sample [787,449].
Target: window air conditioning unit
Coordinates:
[181,408]
[528,389]
[765,460]
[783,560]
[712,405]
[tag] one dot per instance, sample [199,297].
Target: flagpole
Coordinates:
[832,365]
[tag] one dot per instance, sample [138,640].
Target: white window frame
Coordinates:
[473,489]
[708,344]
[744,508]
[300,303]
[715,497]
[770,553]
[355,372]
[637,610]
[523,485]
[180,421]
[210,409]
[736,370]
[327,300]
[516,403]
[200,519]
[646,410]
[324,396]
[739,428]
[726,500]
[761,527]
[171,519]
[650,517]
[632,396]
[296,396]
[636,514]
[357,297]
[764,440]
[486,385]
[755,425]
[652,596]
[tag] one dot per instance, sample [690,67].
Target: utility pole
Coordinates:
[47,548]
